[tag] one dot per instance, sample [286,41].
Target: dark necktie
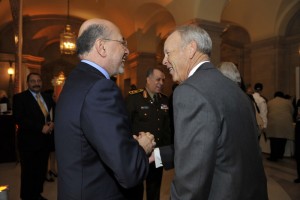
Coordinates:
[155,98]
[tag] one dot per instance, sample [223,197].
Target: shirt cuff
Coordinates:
[157,158]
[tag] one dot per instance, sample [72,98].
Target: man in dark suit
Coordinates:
[96,154]
[149,111]
[34,126]
[216,149]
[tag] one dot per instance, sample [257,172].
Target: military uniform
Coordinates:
[151,116]
[146,115]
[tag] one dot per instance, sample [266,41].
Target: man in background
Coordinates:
[31,113]
[149,111]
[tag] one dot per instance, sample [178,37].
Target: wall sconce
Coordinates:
[16,39]
[11,71]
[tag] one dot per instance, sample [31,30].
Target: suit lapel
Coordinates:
[46,99]
[31,99]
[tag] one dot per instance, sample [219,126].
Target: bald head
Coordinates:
[95,21]
[90,31]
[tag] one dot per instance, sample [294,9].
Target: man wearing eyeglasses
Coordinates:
[96,153]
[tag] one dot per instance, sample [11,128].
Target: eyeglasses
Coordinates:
[123,42]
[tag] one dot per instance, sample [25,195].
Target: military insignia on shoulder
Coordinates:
[136,91]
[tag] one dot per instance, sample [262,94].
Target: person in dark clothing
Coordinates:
[96,154]
[31,114]
[171,112]
[149,111]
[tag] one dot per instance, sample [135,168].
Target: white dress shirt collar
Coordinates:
[196,67]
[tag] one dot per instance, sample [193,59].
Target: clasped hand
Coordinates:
[48,128]
[146,140]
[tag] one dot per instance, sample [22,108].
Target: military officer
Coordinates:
[149,111]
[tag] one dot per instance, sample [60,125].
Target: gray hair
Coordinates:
[229,70]
[195,33]
[88,38]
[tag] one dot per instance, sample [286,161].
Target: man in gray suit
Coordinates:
[216,150]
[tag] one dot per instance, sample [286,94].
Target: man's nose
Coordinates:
[127,51]
[164,62]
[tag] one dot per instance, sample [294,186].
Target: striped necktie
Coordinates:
[42,106]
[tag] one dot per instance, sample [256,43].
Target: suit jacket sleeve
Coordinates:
[115,145]
[196,127]
[167,156]
[130,106]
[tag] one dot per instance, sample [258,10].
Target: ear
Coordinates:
[100,47]
[147,80]
[192,48]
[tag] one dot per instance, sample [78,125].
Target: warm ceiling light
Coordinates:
[67,41]
[68,38]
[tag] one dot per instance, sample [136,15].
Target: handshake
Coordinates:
[146,140]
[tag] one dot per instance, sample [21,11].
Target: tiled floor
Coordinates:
[280,181]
